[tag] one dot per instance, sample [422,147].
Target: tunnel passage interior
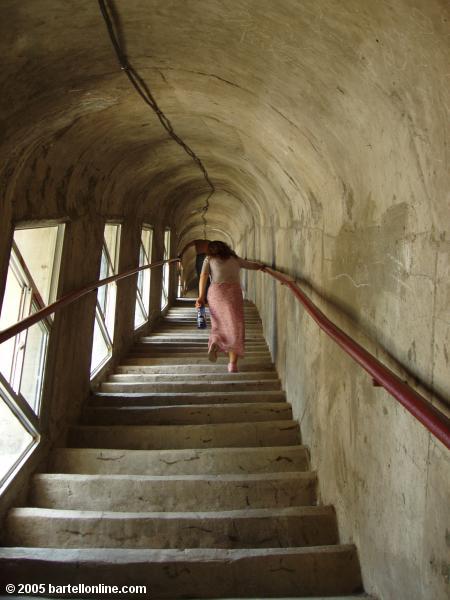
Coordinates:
[323,125]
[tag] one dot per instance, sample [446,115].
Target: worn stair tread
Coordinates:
[220,460]
[172,573]
[186,414]
[123,556]
[212,435]
[117,556]
[190,340]
[209,477]
[204,375]
[254,528]
[181,337]
[193,360]
[282,425]
[187,351]
[259,597]
[198,386]
[171,399]
[194,369]
[206,492]
[31,511]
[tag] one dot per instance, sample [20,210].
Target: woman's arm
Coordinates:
[189,245]
[251,264]
[201,290]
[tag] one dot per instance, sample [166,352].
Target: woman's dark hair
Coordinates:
[220,249]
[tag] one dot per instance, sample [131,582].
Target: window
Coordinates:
[31,284]
[141,312]
[105,311]
[166,271]
[17,433]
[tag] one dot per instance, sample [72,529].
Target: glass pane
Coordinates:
[146,241]
[140,281]
[139,316]
[105,271]
[110,312]
[165,282]
[143,281]
[141,255]
[14,438]
[35,351]
[12,308]
[112,234]
[100,348]
[146,289]
[164,290]
[166,244]
[37,247]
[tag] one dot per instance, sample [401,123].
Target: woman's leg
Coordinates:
[233,357]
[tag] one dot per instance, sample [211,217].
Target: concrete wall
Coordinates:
[386,475]
[324,127]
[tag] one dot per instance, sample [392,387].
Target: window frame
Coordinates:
[143,304]
[165,284]
[22,411]
[107,293]
[28,411]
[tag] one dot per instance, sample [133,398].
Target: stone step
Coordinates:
[138,351]
[181,377]
[199,334]
[167,399]
[251,528]
[146,493]
[210,461]
[249,316]
[159,437]
[258,363]
[186,357]
[202,573]
[192,312]
[207,385]
[191,309]
[202,346]
[191,327]
[192,318]
[190,342]
[187,415]
[195,369]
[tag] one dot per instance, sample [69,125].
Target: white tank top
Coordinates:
[226,270]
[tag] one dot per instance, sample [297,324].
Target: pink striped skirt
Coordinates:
[226,307]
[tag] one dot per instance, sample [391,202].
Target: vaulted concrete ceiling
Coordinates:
[295,107]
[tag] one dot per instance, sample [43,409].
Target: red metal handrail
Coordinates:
[12,331]
[435,421]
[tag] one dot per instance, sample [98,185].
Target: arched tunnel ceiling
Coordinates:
[285,102]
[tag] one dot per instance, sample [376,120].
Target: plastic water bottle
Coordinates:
[201,318]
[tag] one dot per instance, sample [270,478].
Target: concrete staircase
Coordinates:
[184,478]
